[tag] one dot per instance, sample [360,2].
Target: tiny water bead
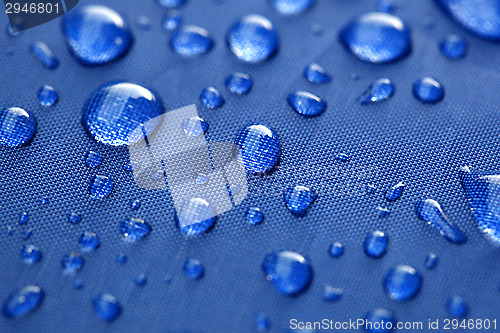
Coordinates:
[100,186]
[430,211]
[375,244]
[380,321]
[47,95]
[96,34]
[191,40]
[306,103]
[140,280]
[106,306]
[239,83]
[172,3]
[402,282]
[78,284]
[262,323]
[395,192]
[28,234]
[336,249]
[131,166]
[382,211]
[316,74]
[254,215]
[298,199]
[135,204]
[211,98]
[291,7]
[93,159]
[377,37]
[30,254]
[143,22]
[260,148]
[289,272]
[331,294]
[386,6]
[428,90]
[380,90]
[200,179]
[371,188]
[194,126]
[23,301]
[196,216]
[74,217]
[72,262]
[116,109]
[431,261]
[23,217]
[453,47]
[172,20]
[121,258]
[17,127]
[44,54]
[194,269]
[253,39]
[134,229]
[89,241]
[457,307]
[342,157]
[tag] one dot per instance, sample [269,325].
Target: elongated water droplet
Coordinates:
[47,95]
[375,244]
[172,20]
[44,54]
[172,3]
[336,249]
[402,282]
[431,261]
[191,40]
[332,294]
[23,301]
[196,216]
[428,90]
[212,98]
[298,199]
[17,127]
[72,262]
[30,254]
[316,74]
[100,186]
[254,215]
[93,159]
[380,321]
[395,192]
[342,157]
[430,211]
[106,306]
[380,90]
[289,272]
[453,47]
[194,269]
[306,103]
[134,229]
[291,7]
[89,241]
[23,217]
[239,83]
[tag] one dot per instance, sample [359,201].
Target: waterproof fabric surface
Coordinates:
[402,139]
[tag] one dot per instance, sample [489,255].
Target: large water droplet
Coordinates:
[239,83]
[17,127]
[172,3]
[428,90]
[380,321]
[23,301]
[336,249]
[259,150]
[30,254]
[316,74]
[44,54]
[298,199]
[253,39]
[306,103]
[47,95]
[457,307]
[377,37]
[482,17]
[96,34]
[172,20]
[211,98]
[254,215]
[106,306]
[116,109]
[375,244]
[93,159]
[100,186]
[89,241]
[453,47]
[191,40]
[134,229]
[380,90]
[288,271]
[196,216]
[430,211]
[402,282]
[483,193]
[291,7]
[193,269]
[72,262]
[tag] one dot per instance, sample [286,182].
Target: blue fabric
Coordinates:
[401,139]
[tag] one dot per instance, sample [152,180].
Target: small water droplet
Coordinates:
[23,217]
[121,258]
[428,90]
[100,186]
[78,284]
[17,127]
[380,321]
[375,244]
[134,229]
[193,269]
[93,159]
[386,6]
[74,217]
[96,34]
[239,83]
[140,280]
[331,294]
[431,261]
[43,200]
[72,262]
[135,204]
[254,215]
[10,230]
[457,307]
[342,157]
[262,323]
[380,90]
[377,37]
[47,95]
[336,249]
[31,254]
[106,306]
[194,126]
[317,29]
[131,166]
[196,216]
[172,20]
[453,47]
[289,272]
[402,282]
[172,3]
[306,103]
[371,188]
[211,98]
[395,192]
[11,33]
[89,241]
[28,234]
[200,179]
[316,74]
[23,301]
[430,211]
[383,212]
[291,7]
[298,199]
[44,54]
[253,39]
[191,40]
[144,22]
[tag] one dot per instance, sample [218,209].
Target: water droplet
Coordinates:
[383,212]
[28,234]
[43,200]
[431,261]
[482,17]
[331,294]
[298,199]
[10,230]
[47,95]
[336,249]
[144,22]
[196,216]
[135,204]
[191,40]
[134,229]
[379,321]
[428,90]
[44,54]
[317,29]
[193,269]
[106,306]
[89,241]
[116,109]
[93,159]
[377,37]
[11,33]
[371,188]
[121,258]
[291,7]
[17,127]
[376,244]
[254,215]
[253,39]
[430,211]
[172,20]
[483,194]
[72,262]
[23,301]
[200,179]
[453,47]
[211,98]
[96,34]
[380,90]
[342,157]
[306,103]
[78,284]
[131,166]
[194,126]
[140,280]
[395,192]
[316,74]
[288,271]
[262,323]
[457,307]
[23,217]
[259,150]
[386,6]
[402,282]
[239,83]
[30,254]
[100,186]
[74,217]
[172,3]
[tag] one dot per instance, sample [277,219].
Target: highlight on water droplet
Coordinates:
[291,7]
[380,90]
[193,269]
[254,215]
[23,301]
[395,192]
[196,216]
[239,83]
[72,263]
[316,74]
[457,307]
[306,103]
[17,127]
[134,229]
[89,241]
[336,249]
[106,306]
[402,282]
[453,47]
[380,321]
[172,20]
[289,272]
[332,294]
[375,244]
[93,159]
[100,186]
[47,95]
[191,40]
[31,254]
[298,199]
[428,90]
[44,54]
